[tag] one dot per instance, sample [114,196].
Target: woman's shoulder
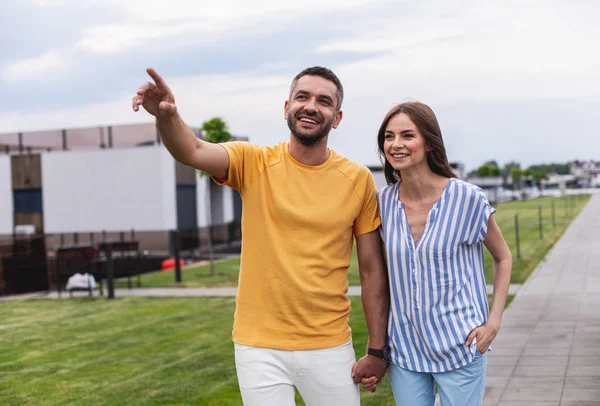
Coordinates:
[388,191]
[470,192]
[466,187]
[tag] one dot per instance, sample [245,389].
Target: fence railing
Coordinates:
[31,263]
[530,227]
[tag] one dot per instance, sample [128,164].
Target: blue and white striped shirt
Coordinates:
[437,287]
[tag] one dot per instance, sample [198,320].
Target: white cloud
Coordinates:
[487,37]
[439,53]
[523,50]
[232,10]
[163,25]
[51,3]
[250,103]
[33,68]
[118,38]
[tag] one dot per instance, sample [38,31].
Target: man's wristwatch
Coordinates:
[382,353]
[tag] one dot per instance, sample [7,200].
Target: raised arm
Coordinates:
[157,99]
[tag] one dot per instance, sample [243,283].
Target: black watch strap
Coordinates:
[377,352]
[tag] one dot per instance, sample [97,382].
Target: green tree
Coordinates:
[516,174]
[561,169]
[508,167]
[484,170]
[215,131]
[538,176]
[489,169]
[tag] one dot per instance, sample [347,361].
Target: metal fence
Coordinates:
[30,263]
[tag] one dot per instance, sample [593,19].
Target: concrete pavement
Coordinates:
[548,349]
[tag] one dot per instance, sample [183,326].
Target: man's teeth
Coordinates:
[308,120]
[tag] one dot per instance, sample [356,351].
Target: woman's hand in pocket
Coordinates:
[484,334]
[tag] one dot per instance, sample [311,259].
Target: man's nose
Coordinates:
[311,105]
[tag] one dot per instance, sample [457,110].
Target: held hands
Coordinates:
[369,370]
[485,335]
[156,98]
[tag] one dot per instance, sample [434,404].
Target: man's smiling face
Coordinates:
[311,112]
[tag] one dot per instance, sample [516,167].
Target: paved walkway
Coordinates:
[548,349]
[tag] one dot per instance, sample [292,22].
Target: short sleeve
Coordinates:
[245,165]
[481,210]
[368,220]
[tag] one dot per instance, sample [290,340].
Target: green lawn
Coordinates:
[226,274]
[533,249]
[129,351]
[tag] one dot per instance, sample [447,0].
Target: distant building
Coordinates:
[556,181]
[492,187]
[587,173]
[459,169]
[111,178]
[486,182]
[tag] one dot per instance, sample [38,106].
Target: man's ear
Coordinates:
[286,109]
[337,119]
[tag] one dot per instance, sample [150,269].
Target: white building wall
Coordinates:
[112,190]
[228,214]
[202,186]
[221,202]
[6,196]
[486,181]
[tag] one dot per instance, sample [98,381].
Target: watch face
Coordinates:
[387,352]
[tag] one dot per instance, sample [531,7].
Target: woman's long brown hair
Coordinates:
[426,122]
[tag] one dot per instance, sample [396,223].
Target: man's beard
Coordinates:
[311,139]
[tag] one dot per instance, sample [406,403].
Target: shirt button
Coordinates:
[414,270]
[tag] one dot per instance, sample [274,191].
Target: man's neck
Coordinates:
[313,156]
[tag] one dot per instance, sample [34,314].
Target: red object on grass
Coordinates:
[169,263]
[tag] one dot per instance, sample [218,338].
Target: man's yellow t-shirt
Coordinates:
[298,223]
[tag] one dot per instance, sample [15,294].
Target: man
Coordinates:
[302,205]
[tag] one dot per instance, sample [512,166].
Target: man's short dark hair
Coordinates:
[325,74]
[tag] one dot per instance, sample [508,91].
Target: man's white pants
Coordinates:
[323,377]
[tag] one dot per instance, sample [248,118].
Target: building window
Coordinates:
[27,200]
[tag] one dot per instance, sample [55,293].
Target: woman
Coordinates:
[434,227]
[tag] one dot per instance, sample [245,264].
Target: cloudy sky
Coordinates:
[508,79]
